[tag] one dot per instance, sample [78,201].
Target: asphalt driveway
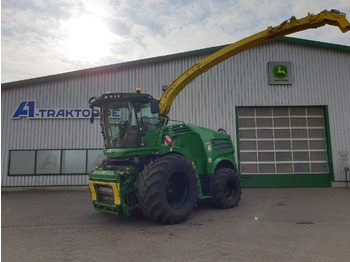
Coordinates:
[270,224]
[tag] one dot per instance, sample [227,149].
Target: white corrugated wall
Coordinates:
[321,77]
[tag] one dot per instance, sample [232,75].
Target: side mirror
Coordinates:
[93,115]
[154,107]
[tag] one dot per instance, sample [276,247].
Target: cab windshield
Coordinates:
[125,124]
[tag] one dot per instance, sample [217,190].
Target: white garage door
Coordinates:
[282,140]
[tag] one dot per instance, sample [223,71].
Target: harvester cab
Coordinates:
[126,118]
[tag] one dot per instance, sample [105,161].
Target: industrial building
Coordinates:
[284,103]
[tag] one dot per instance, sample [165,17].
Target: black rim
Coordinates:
[176,190]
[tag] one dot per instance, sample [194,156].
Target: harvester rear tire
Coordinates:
[226,188]
[168,189]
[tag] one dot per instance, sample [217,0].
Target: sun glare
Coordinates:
[88,39]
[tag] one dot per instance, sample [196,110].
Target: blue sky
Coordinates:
[45,37]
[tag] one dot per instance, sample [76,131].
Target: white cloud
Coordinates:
[33,34]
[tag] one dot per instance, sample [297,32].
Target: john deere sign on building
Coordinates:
[280,73]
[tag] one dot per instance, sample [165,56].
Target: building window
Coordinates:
[38,162]
[282,140]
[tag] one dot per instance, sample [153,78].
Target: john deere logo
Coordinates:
[280,71]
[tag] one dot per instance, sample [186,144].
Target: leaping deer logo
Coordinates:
[280,71]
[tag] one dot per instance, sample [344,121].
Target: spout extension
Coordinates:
[292,25]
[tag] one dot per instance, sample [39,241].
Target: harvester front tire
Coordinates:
[226,188]
[168,189]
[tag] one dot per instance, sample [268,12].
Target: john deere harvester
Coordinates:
[162,166]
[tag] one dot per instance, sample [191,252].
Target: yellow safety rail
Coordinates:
[290,26]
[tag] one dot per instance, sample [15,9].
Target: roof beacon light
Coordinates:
[138,90]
